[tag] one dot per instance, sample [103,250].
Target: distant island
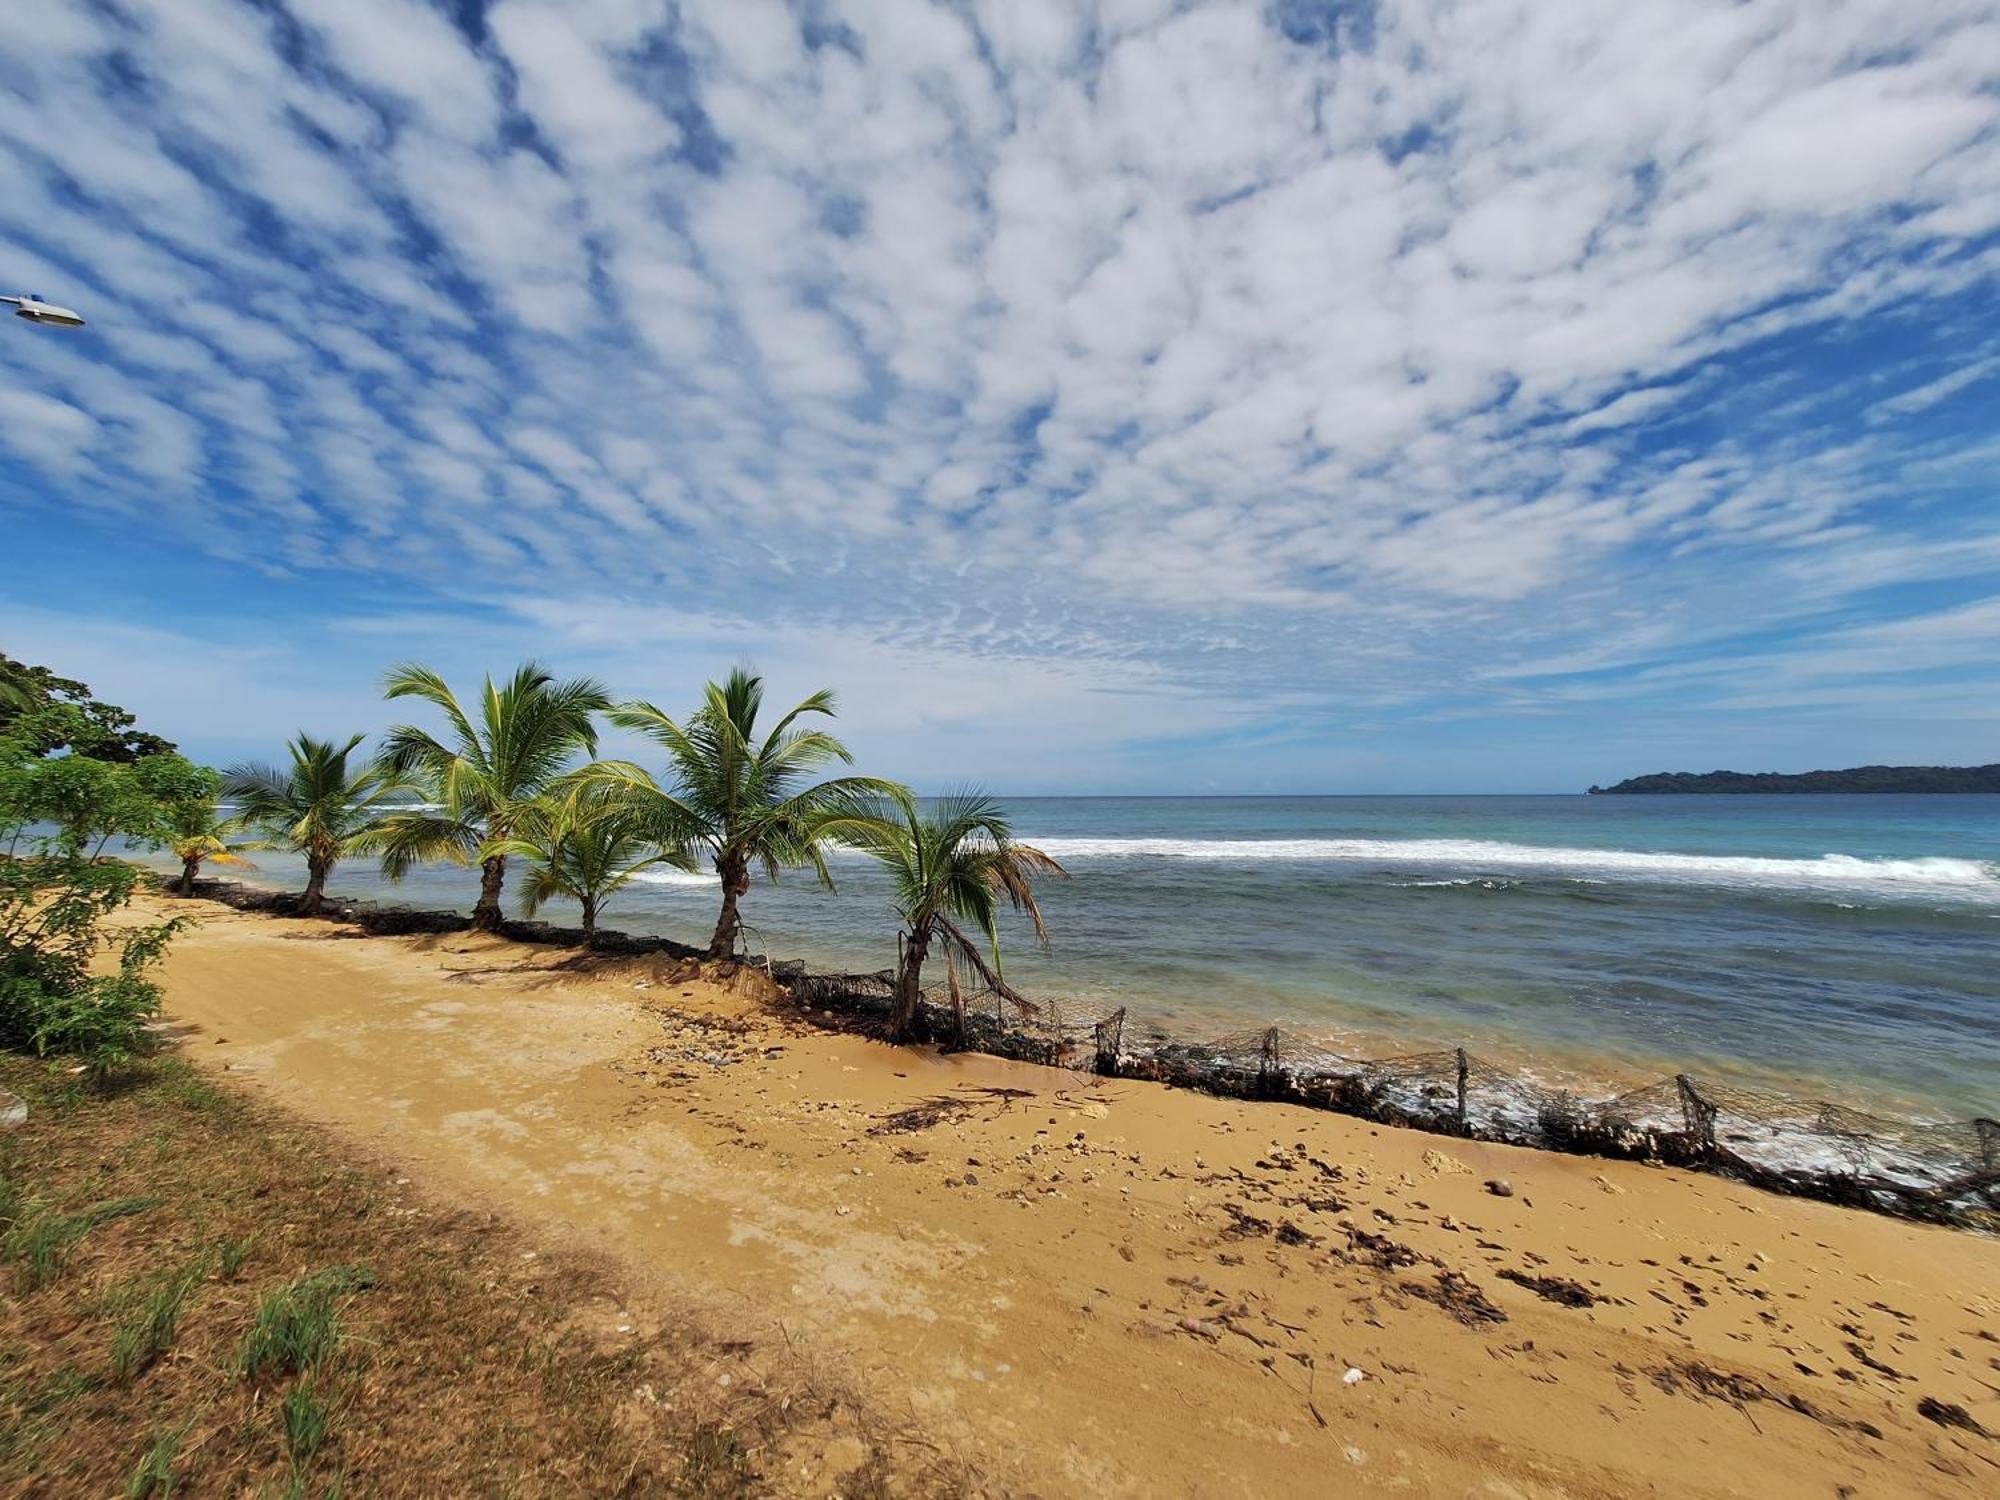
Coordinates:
[1859,779]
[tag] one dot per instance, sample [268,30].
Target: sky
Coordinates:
[1135,396]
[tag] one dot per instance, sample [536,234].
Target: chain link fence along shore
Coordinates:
[1946,1173]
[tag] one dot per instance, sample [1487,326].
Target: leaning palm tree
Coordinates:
[198,833]
[952,866]
[587,847]
[322,806]
[486,771]
[744,800]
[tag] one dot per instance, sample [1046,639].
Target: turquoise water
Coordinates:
[1848,946]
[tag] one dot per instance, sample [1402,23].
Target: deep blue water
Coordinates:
[1848,945]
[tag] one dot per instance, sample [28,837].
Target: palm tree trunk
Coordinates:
[589,921]
[735,875]
[492,875]
[315,892]
[909,984]
[189,869]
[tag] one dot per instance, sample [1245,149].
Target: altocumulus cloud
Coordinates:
[1428,359]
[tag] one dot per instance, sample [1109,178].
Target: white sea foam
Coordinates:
[1933,877]
[659,876]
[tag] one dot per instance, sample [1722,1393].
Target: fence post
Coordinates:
[1110,1034]
[1267,1063]
[1989,1142]
[1697,1112]
[1464,1072]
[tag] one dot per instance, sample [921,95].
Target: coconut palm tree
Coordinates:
[952,866]
[323,806]
[487,770]
[197,832]
[182,815]
[743,800]
[587,847]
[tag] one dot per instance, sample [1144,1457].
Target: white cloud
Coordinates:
[1337,361]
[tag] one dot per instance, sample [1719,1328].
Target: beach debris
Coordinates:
[1380,1251]
[710,1042]
[940,1107]
[1554,1289]
[1950,1414]
[1499,1187]
[1353,1376]
[1243,1224]
[1458,1295]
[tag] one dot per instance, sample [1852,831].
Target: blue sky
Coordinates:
[1137,396]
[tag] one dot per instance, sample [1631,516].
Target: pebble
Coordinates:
[1354,1377]
[1499,1187]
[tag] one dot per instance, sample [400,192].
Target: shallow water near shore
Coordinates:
[1847,947]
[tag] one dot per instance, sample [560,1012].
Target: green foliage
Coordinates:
[147,1330]
[307,1416]
[56,896]
[48,713]
[586,846]
[487,771]
[89,802]
[1858,779]
[744,800]
[154,1474]
[297,1327]
[323,805]
[952,865]
[42,1237]
[53,905]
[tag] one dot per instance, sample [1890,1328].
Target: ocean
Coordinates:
[1845,947]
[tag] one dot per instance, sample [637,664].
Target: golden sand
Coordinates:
[1087,1287]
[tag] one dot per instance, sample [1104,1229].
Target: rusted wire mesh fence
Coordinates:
[1944,1172]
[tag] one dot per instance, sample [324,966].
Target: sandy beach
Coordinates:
[1084,1287]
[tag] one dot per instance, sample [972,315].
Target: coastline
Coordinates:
[1938,1171]
[984,1240]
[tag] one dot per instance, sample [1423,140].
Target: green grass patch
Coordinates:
[147,1331]
[41,1236]
[154,1475]
[297,1327]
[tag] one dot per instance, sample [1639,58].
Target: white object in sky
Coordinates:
[35,310]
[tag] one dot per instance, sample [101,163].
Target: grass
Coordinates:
[207,1296]
[41,1237]
[297,1327]
[307,1417]
[154,1474]
[147,1331]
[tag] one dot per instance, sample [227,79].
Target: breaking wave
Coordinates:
[1928,878]
[675,877]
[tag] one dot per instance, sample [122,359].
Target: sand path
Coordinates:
[1108,1288]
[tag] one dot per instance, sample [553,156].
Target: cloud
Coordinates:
[1284,354]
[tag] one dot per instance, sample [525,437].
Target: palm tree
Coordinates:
[487,772]
[322,806]
[196,832]
[586,846]
[745,801]
[950,866]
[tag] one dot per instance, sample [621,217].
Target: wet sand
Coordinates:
[1089,1287]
